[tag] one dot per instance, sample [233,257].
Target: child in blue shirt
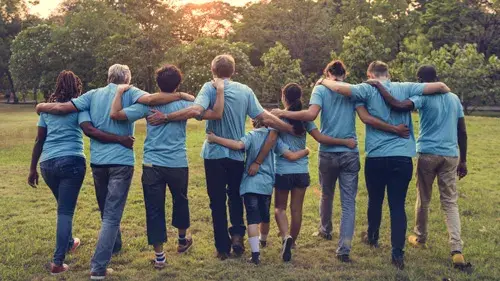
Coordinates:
[257,190]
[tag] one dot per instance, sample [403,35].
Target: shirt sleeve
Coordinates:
[136,93]
[247,140]
[413,89]
[359,103]
[317,96]
[460,109]
[83,102]
[136,112]
[359,92]
[254,108]
[203,97]
[310,126]
[418,101]
[281,147]
[41,121]
[84,116]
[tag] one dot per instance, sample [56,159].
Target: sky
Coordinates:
[46,6]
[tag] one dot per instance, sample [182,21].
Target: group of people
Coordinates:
[243,169]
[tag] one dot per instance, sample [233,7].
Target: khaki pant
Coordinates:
[445,168]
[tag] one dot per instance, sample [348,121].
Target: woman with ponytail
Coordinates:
[292,177]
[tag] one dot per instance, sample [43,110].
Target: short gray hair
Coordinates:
[119,74]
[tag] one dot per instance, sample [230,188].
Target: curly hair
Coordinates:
[68,86]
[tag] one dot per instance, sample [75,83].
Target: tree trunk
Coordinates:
[35,94]
[13,90]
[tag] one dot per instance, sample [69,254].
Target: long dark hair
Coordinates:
[68,86]
[292,93]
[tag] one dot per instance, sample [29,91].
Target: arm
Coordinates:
[396,105]
[303,115]
[160,98]
[92,132]
[117,112]
[35,156]
[56,108]
[270,142]
[462,145]
[272,121]
[231,144]
[339,87]
[218,110]
[294,156]
[400,130]
[435,88]
[326,140]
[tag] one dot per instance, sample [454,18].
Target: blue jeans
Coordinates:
[343,166]
[64,176]
[393,173]
[112,184]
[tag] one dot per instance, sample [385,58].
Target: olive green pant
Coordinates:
[445,169]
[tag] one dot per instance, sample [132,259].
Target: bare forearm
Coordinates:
[185,114]
[231,144]
[462,145]
[270,142]
[339,87]
[56,108]
[159,98]
[90,131]
[116,108]
[272,121]
[218,108]
[303,115]
[326,140]
[36,153]
[294,156]
[396,105]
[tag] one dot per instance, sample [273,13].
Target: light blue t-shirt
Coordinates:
[263,181]
[239,101]
[380,143]
[64,136]
[338,117]
[439,116]
[293,143]
[165,145]
[98,103]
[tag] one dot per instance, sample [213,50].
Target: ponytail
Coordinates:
[293,94]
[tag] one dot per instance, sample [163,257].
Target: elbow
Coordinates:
[444,88]
[114,116]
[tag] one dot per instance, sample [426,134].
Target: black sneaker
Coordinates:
[367,241]
[326,236]
[237,245]
[100,275]
[398,262]
[286,252]
[344,258]
[263,243]
[255,259]
[182,248]
[222,256]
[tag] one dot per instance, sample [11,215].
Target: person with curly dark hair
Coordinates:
[59,147]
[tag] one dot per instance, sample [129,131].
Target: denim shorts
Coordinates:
[291,181]
[257,207]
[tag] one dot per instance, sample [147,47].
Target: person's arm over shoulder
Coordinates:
[342,88]
[397,105]
[218,109]
[231,144]
[401,130]
[82,103]
[283,150]
[433,88]
[309,114]
[162,98]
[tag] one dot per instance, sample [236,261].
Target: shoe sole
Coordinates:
[97,277]
[286,255]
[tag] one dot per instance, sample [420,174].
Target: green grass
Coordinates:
[28,216]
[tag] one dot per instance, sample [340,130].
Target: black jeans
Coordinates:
[223,178]
[154,185]
[394,173]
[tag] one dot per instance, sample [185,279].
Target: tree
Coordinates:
[194,59]
[26,62]
[360,48]
[278,70]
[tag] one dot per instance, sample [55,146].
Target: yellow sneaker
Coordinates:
[413,240]
[459,262]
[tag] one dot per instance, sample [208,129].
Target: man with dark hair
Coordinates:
[224,167]
[442,129]
[165,160]
[389,158]
[112,164]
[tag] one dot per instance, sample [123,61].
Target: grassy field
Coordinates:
[28,216]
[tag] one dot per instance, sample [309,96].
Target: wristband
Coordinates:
[257,162]
[165,119]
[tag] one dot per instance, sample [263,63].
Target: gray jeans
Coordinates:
[112,183]
[345,167]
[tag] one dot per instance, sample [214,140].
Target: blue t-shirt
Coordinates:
[64,136]
[239,101]
[263,181]
[338,117]
[380,143]
[98,103]
[293,143]
[439,116]
[165,145]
